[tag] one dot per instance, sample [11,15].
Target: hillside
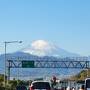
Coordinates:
[81,76]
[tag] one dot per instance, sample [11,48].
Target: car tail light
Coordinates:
[31,88]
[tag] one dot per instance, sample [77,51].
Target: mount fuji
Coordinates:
[45,48]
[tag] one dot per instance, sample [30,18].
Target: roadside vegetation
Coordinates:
[81,76]
[12,83]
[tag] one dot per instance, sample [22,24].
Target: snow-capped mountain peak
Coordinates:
[41,45]
[45,48]
[40,48]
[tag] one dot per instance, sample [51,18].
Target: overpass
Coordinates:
[40,62]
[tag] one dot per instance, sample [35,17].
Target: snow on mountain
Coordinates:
[44,48]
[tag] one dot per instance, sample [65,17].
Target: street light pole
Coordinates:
[5,76]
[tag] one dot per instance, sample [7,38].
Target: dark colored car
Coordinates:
[40,85]
[22,87]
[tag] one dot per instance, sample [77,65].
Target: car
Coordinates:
[87,83]
[21,87]
[40,85]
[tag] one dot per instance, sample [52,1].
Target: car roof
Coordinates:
[40,81]
[87,78]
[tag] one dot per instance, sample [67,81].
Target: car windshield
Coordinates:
[41,85]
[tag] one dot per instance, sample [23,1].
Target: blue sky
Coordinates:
[63,22]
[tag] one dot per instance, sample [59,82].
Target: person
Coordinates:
[54,83]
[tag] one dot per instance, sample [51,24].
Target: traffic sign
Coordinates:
[28,64]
